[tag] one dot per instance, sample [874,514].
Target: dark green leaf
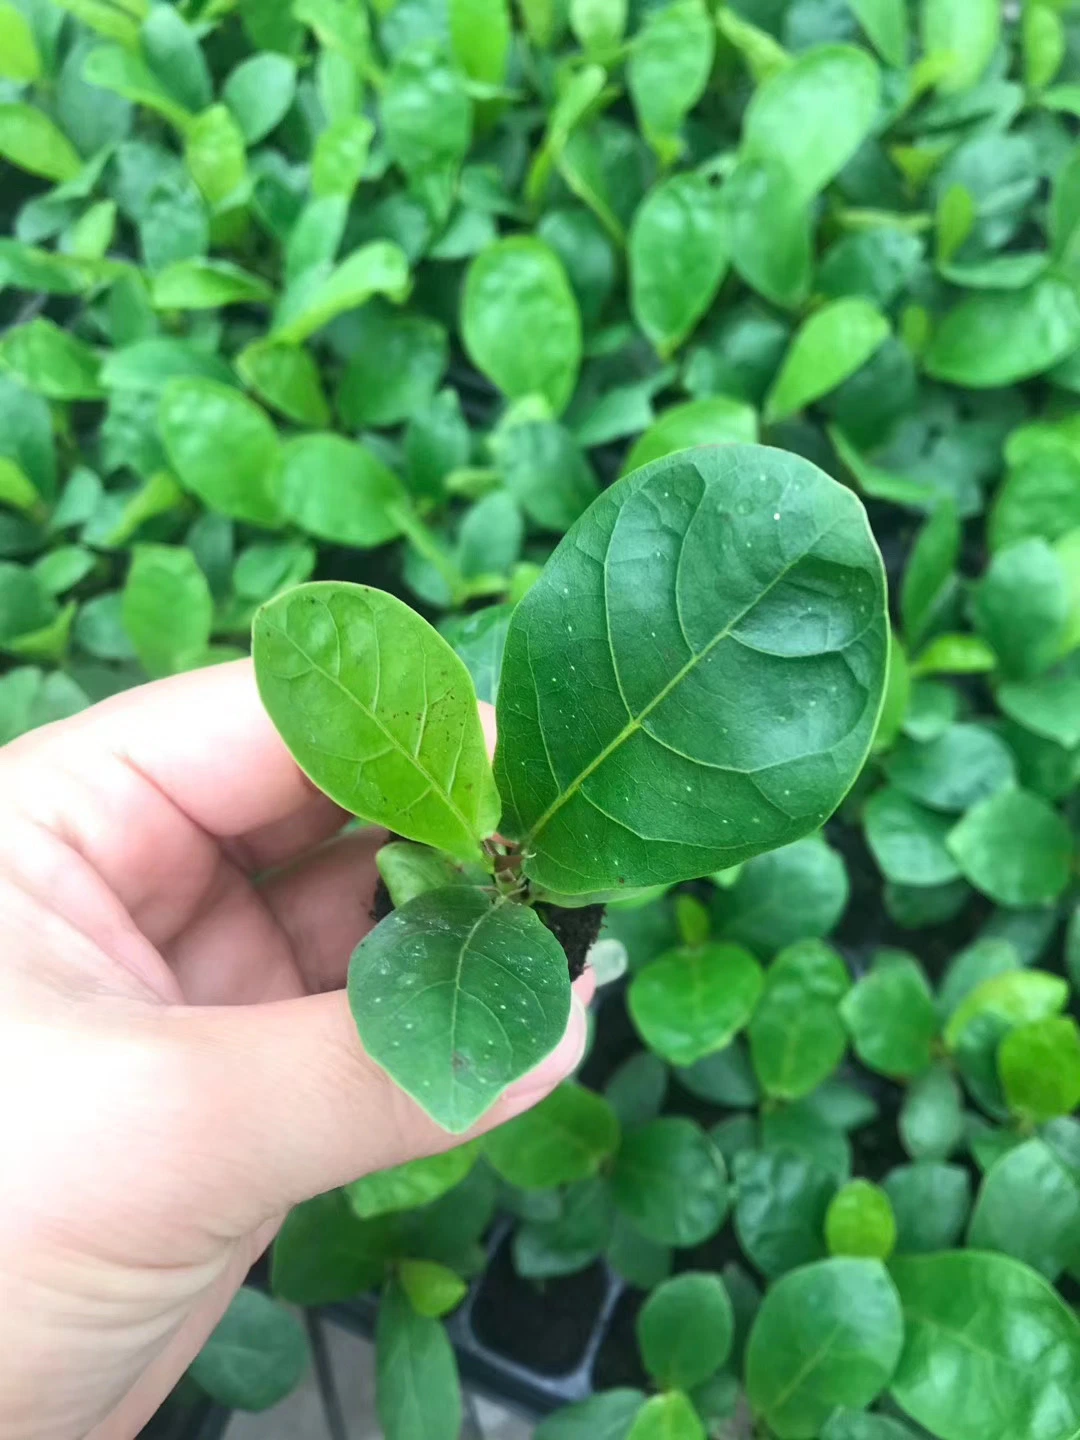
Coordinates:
[255,1356]
[685,1330]
[781,1199]
[999,337]
[1029,1207]
[797,1037]
[324,1253]
[908,841]
[694,1000]
[931,1203]
[955,770]
[670,1181]
[794,893]
[417,1392]
[890,1014]
[607,1416]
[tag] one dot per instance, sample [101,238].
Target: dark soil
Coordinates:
[575,930]
[618,1361]
[382,905]
[546,1326]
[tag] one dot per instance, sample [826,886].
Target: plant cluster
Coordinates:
[387,296]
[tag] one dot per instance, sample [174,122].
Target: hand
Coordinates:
[178,1065]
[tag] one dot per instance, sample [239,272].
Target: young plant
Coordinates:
[694,679]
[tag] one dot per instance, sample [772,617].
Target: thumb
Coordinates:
[290,1105]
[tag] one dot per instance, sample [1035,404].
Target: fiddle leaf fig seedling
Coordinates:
[694,679]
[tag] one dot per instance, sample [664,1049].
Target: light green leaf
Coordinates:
[223,448]
[417,1182]
[433,1290]
[341,153]
[835,342]
[319,294]
[259,92]
[959,38]
[286,378]
[546,472]
[668,68]
[30,140]
[999,337]
[168,609]
[886,24]
[20,59]
[890,1014]
[860,1222]
[814,115]
[480,36]
[337,490]
[713,420]
[564,1138]
[380,713]
[125,72]
[667,1417]
[474,995]
[685,1330]
[659,692]
[409,870]
[769,230]
[427,122]
[518,287]
[781,1199]
[1021,606]
[417,1392]
[51,361]
[206,284]
[1014,997]
[1040,1070]
[827,1335]
[1015,848]
[694,1000]
[991,1349]
[670,1181]
[677,257]
[929,577]
[256,1354]
[931,1119]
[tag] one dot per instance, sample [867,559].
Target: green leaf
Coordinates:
[671,1183]
[667,1417]
[726,1077]
[813,116]
[394,370]
[417,1392]
[1029,1208]
[223,448]
[781,1200]
[714,420]
[1015,848]
[51,361]
[886,24]
[259,92]
[286,378]
[256,1354]
[338,490]
[677,257]
[546,472]
[215,157]
[654,692]
[427,122]
[827,1335]
[20,59]
[685,1330]
[417,1182]
[409,870]
[564,1138]
[480,37]
[637,1089]
[929,577]
[380,713]
[794,893]
[955,770]
[998,337]
[694,1000]
[575,1239]
[30,140]
[769,230]
[959,38]
[340,157]
[323,1253]
[991,1349]
[432,1290]
[598,25]
[1014,996]
[518,287]
[802,1129]
[1021,606]
[205,285]
[931,1203]
[931,1118]
[321,292]
[890,1014]
[606,1416]
[907,841]
[797,1037]
[124,72]
[474,995]
[1040,1068]
[168,609]
[955,655]
[835,342]
[668,68]
[860,1222]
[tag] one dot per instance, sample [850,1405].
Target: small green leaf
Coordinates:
[340,156]
[546,472]
[223,448]
[714,420]
[51,361]
[781,1199]
[929,576]
[1015,848]
[205,285]
[890,1014]
[427,121]
[677,257]
[694,1000]
[908,841]
[518,287]
[835,342]
[320,293]
[575,1239]
[417,1182]
[379,712]
[168,609]
[286,378]
[433,1290]
[931,1118]
[215,157]
[338,490]
[395,368]
[1021,607]
[685,1330]
[564,1138]
[256,1354]
[323,1253]
[480,37]
[991,1349]
[30,140]
[1040,1068]
[860,1222]
[668,68]
[637,1089]
[886,24]
[1024,1182]
[417,1392]
[998,337]
[671,1183]
[857,1425]
[1013,996]
[20,59]
[955,770]
[259,92]
[667,1417]
[959,38]
[827,1335]
[798,892]
[474,995]
[409,870]
[122,70]
[769,230]
[931,1203]
[606,1416]
[797,1037]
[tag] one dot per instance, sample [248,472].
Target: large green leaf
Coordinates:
[990,1349]
[827,1335]
[255,1355]
[1015,848]
[417,1391]
[694,1000]
[457,998]
[639,761]
[378,711]
[1029,1207]
[999,337]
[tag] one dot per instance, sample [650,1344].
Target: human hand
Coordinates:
[178,1065]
